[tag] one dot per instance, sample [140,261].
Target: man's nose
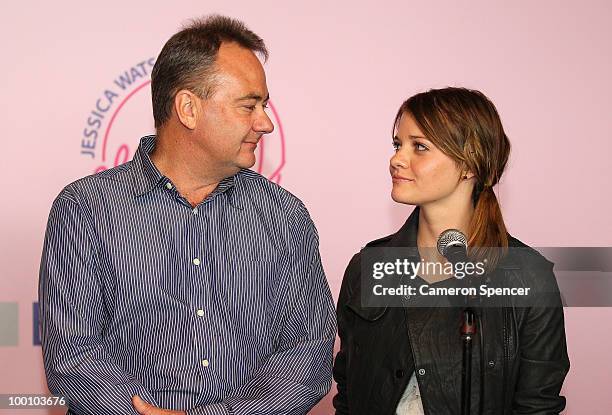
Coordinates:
[263,123]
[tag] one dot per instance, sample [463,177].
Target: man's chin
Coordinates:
[246,162]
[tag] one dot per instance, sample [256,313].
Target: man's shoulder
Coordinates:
[85,187]
[260,191]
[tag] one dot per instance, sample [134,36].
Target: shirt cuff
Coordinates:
[213,409]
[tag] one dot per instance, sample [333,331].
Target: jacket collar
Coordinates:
[406,236]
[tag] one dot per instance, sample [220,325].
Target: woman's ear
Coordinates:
[467,175]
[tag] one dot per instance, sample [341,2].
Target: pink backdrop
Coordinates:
[337,73]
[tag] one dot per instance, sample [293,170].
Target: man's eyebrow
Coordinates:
[254,96]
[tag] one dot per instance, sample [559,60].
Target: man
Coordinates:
[181,282]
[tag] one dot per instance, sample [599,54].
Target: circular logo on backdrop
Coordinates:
[122,114]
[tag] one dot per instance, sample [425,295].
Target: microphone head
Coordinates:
[451,238]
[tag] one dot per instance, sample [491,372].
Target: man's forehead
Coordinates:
[243,69]
[232,56]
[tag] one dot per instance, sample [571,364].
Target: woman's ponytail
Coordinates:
[488,235]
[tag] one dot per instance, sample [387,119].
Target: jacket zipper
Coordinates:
[425,411]
[506,358]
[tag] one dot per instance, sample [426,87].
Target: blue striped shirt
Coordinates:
[219,309]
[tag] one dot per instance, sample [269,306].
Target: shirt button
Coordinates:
[168,185]
[421,372]
[195,211]
[200,313]
[205,363]
[196,261]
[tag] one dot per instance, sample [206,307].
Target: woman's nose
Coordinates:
[399,161]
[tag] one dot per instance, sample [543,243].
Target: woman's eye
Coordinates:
[396,145]
[420,147]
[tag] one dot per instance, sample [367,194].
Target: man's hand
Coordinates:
[145,408]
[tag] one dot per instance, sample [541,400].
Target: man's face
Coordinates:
[232,121]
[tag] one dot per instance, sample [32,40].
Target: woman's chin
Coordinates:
[400,197]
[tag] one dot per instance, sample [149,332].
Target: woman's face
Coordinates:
[421,173]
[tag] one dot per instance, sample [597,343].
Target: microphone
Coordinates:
[452,245]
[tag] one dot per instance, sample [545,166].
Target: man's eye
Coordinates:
[250,107]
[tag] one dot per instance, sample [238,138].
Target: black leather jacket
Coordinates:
[524,355]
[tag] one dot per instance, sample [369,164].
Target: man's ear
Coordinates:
[185,103]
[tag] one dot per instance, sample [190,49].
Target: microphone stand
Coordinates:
[452,244]
[468,331]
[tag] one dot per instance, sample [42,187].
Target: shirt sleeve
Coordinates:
[73,318]
[298,374]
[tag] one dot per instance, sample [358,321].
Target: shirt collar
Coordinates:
[147,177]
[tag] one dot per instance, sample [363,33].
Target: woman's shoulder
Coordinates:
[381,241]
[353,269]
[536,271]
[526,255]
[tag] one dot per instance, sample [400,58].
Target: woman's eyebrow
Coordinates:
[412,137]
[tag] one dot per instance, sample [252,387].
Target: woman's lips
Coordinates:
[399,179]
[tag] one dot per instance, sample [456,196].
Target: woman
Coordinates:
[450,151]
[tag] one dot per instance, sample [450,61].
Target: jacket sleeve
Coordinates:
[544,361]
[73,318]
[340,365]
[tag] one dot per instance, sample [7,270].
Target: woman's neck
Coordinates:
[435,218]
